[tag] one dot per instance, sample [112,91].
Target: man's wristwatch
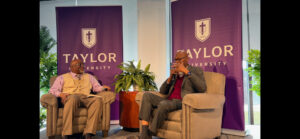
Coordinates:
[189,73]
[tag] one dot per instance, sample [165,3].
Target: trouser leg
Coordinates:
[70,106]
[94,106]
[148,102]
[163,108]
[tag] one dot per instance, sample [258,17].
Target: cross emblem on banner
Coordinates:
[88,37]
[202,29]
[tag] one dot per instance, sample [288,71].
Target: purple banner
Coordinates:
[211,33]
[94,35]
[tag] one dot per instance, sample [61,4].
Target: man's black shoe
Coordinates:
[146,134]
[88,136]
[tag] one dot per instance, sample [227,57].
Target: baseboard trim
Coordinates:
[234,132]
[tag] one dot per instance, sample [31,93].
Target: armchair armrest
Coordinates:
[204,100]
[49,99]
[108,96]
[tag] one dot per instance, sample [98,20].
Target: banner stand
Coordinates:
[235,132]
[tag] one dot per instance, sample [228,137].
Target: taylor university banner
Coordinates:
[211,33]
[94,35]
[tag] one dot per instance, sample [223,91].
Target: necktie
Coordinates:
[78,76]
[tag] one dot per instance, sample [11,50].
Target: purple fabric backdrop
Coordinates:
[94,35]
[211,32]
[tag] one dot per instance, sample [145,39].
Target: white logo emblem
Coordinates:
[88,37]
[202,29]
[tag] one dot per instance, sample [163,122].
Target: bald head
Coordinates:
[76,66]
[182,57]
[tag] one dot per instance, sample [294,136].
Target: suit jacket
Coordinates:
[195,83]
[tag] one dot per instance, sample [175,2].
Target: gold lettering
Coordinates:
[112,56]
[92,60]
[84,57]
[99,57]
[220,51]
[205,56]
[189,53]
[66,55]
[228,50]
[75,57]
[197,52]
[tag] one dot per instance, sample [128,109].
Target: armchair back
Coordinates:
[215,82]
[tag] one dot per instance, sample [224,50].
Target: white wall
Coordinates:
[152,39]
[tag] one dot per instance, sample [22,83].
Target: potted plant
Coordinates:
[141,80]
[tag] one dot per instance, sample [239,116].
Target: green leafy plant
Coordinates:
[134,75]
[43,113]
[254,70]
[48,66]
[48,61]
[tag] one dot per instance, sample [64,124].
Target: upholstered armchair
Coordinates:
[55,109]
[201,114]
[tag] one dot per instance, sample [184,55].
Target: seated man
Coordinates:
[183,79]
[73,88]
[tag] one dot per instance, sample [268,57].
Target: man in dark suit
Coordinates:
[183,79]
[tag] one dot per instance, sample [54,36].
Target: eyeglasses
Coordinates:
[178,59]
[79,65]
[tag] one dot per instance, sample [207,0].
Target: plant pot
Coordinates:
[129,109]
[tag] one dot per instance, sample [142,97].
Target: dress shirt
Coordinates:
[58,84]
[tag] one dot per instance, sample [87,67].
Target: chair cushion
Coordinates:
[172,125]
[79,113]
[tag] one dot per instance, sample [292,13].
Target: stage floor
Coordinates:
[116,132]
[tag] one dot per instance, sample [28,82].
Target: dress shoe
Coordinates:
[88,136]
[146,133]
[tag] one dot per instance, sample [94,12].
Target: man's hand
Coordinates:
[172,72]
[106,87]
[179,67]
[63,97]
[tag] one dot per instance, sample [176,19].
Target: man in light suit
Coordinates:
[183,79]
[73,88]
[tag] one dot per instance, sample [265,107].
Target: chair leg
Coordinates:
[105,133]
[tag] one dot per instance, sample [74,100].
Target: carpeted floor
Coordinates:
[116,132]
